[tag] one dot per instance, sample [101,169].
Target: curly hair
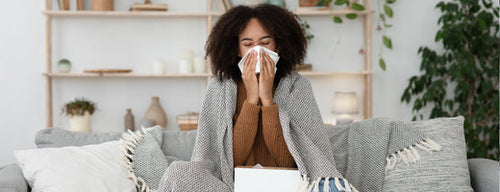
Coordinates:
[222,44]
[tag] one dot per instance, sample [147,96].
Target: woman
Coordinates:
[257,133]
[247,118]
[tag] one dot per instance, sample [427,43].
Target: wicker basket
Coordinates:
[188,121]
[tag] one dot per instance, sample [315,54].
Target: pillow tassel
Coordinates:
[410,155]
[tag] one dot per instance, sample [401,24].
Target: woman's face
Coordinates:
[254,34]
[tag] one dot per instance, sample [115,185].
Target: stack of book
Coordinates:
[303,67]
[188,121]
[149,7]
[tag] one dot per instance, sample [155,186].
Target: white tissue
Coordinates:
[274,56]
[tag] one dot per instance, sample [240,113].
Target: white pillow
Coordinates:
[93,168]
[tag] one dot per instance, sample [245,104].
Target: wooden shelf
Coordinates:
[127,75]
[314,73]
[128,14]
[189,75]
[210,14]
[305,12]
[186,14]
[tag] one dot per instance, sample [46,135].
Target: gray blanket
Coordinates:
[212,157]
[211,165]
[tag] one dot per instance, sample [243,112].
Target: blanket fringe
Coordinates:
[306,186]
[128,143]
[410,155]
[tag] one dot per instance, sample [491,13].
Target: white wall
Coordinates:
[135,42]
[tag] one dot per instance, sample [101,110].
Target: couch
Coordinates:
[179,144]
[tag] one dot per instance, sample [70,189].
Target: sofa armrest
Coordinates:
[12,180]
[484,175]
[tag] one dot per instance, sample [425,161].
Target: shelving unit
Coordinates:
[366,73]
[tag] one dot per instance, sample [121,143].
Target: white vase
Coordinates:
[80,123]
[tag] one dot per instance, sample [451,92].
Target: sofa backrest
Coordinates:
[175,143]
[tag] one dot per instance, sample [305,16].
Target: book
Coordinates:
[67,5]
[79,5]
[303,67]
[221,5]
[55,5]
[61,5]
[149,7]
[228,5]
[72,5]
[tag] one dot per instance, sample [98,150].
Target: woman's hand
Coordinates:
[250,79]
[266,79]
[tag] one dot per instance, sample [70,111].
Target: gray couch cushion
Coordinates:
[12,180]
[179,144]
[445,170]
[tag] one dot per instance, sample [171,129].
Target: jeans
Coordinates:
[331,183]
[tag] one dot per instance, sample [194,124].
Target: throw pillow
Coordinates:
[144,157]
[445,170]
[89,168]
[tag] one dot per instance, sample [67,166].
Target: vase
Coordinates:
[159,67]
[80,123]
[155,112]
[129,121]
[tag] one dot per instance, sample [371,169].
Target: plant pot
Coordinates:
[80,123]
[63,66]
[102,5]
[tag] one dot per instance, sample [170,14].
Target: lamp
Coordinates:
[344,104]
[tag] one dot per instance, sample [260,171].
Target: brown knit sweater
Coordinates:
[257,135]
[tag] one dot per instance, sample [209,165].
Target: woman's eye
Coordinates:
[248,45]
[267,43]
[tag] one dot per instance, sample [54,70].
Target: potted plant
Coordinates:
[461,78]
[79,111]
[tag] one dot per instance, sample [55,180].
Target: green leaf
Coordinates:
[357,7]
[382,17]
[352,16]
[388,11]
[321,3]
[337,19]
[482,25]
[387,25]
[387,42]
[381,62]
[341,2]
[438,36]
[487,5]
[390,1]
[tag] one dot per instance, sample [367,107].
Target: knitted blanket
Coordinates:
[212,158]
[211,165]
